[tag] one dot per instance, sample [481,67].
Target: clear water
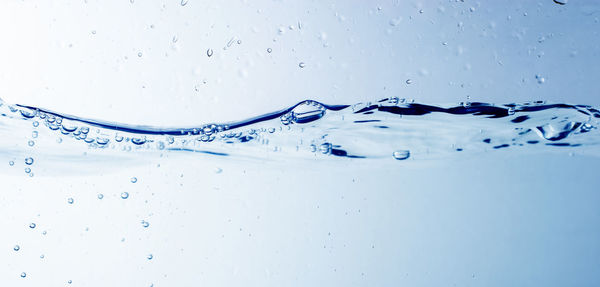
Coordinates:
[299,143]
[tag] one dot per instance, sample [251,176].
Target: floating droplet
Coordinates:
[70,200]
[134,179]
[29,161]
[124,195]
[32,225]
[301,65]
[401,154]
[17,248]
[209,52]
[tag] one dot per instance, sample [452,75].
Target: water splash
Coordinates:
[388,129]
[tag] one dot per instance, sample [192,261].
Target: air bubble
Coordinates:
[29,161]
[124,195]
[269,50]
[70,200]
[31,143]
[301,65]
[134,179]
[401,154]
[408,81]
[34,134]
[145,224]
[32,225]
[17,248]
[23,274]
[100,196]
[150,257]
[209,52]
[184,2]
[27,170]
[11,163]
[140,54]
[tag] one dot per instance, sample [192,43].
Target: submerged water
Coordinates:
[390,192]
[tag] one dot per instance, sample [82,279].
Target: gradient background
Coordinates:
[502,218]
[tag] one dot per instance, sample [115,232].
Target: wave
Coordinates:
[390,128]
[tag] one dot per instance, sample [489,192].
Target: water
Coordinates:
[272,143]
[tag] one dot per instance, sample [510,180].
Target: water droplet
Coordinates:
[100,196]
[184,2]
[17,248]
[540,79]
[145,224]
[70,200]
[401,154]
[269,50]
[140,54]
[150,257]
[11,163]
[29,161]
[209,52]
[301,65]
[23,274]
[134,179]
[31,143]
[32,225]
[306,112]
[408,81]
[124,195]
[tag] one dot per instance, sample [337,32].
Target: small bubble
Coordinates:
[124,195]
[140,54]
[269,50]
[11,163]
[100,196]
[35,123]
[209,52]
[27,170]
[134,179]
[70,281]
[94,32]
[23,274]
[145,224]
[239,42]
[150,257]
[44,232]
[32,225]
[34,134]
[175,39]
[29,161]
[408,81]
[17,248]
[42,256]
[184,2]
[401,154]
[540,79]
[301,65]
[70,200]
[31,143]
